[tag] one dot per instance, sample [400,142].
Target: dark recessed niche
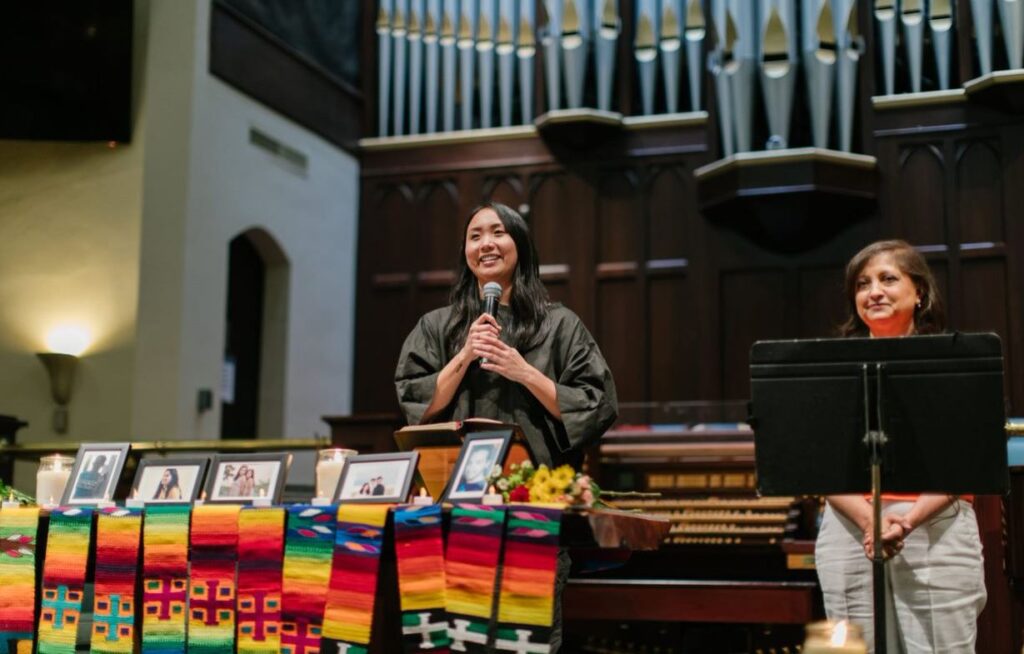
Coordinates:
[67,72]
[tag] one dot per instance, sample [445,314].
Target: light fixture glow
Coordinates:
[68,339]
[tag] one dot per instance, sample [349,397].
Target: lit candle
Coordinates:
[52,477]
[493,497]
[833,638]
[330,463]
[262,500]
[10,502]
[423,498]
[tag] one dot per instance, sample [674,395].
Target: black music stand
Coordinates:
[913,415]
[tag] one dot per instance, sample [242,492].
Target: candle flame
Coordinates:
[839,634]
[491,490]
[423,492]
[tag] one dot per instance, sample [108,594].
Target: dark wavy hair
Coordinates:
[929,317]
[173,484]
[529,298]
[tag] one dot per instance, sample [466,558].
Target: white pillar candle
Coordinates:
[329,465]
[52,478]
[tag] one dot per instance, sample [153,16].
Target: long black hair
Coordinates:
[528,300]
[172,484]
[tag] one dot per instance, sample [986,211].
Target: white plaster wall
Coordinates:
[70,217]
[203,149]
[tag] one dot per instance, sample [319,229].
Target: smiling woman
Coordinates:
[543,370]
[935,581]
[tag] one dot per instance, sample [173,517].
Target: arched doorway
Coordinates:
[252,394]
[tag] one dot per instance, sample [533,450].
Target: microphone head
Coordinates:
[492,289]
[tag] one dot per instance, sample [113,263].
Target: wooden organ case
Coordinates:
[736,572]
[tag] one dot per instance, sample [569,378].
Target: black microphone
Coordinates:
[492,293]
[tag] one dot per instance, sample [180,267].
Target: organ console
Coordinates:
[735,570]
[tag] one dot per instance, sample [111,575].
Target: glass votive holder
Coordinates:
[329,464]
[834,638]
[52,477]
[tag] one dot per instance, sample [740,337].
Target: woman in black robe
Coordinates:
[543,370]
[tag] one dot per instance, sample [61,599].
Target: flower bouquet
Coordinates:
[563,485]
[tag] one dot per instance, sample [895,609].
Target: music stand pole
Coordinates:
[875,439]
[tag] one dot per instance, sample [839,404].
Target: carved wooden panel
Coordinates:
[979,191]
[822,301]
[753,308]
[920,194]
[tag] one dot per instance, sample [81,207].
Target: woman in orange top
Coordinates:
[935,578]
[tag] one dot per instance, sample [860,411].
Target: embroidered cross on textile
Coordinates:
[67,552]
[260,561]
[18,528]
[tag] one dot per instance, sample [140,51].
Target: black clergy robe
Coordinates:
[563,350]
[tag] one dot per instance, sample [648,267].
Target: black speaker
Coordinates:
[67,70]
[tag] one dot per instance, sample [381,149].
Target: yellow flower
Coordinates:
[541,477]
[539,493]
[563,476]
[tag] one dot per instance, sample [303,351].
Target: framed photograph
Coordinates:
[480,452]
[377,477]
[94,478]
[241,478]
[169,481]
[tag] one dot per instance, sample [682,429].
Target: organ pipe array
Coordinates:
[464,64]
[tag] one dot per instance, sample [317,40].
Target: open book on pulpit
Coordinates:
[439,444]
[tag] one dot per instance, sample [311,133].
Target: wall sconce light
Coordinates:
[67,343]
[62,373]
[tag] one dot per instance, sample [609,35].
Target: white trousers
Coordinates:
[935,587]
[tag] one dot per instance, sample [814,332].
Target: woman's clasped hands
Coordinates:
[895,528]
[483,343]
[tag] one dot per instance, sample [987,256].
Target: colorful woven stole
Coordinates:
[307,573]
[348,616]
[419,549]
[211,597]
[117,559]
[67,552]
[18,529]
[260,557]
[165,578]
[526,602]
[474,548]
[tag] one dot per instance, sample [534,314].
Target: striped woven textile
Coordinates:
[260,557]
[419,550]
[118,533]
[474,549]
[309,542]
[211,596]
[67,551]
[18,530]
[348,616]
[526,601]
[165,578]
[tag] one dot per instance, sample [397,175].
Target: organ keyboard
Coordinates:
[734,567]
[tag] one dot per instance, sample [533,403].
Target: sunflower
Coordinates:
[563,476]
[541,477]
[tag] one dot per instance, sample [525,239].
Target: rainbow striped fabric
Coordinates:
[118,533]
[211,597]
[67,552]
[526,602]
[419,550]
[348,616]
[18,530]
[309,541]
[474,549]
[260,557]
[165,578]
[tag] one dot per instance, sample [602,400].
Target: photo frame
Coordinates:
[371,478]
[170,481]
[241,478]
[97,470]
[481,451]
